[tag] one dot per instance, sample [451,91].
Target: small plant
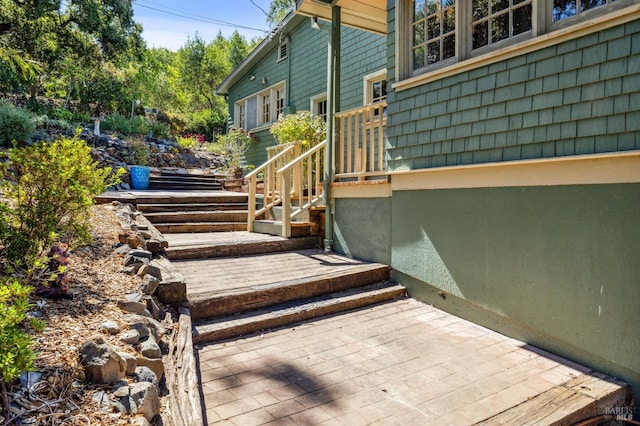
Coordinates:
[16,126]
[303,127]
[137,153]
[236,143]
[60,113]
[54,284]
[185,142]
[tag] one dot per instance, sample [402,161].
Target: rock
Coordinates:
[141,328]
[154,246]
[101,398]
[150,284]
[140,421]
[149,269]
[133,297]
[145,374]
[130,336]
[154,364]
[172,287]
[134,241]
[130,359]
[130,306]
[140,253]
[110,327]
[130,259]
[28,379]
[150,349]
[101,362]
[156,328]
[157,312]
[123,250]
[146,398]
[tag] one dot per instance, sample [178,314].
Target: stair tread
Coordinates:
[283,313]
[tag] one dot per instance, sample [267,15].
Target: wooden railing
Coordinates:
[304,176]
[273,188]
[272,151]
[360,142]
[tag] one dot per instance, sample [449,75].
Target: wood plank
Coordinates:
[168,228]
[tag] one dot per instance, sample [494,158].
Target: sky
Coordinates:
[168,23]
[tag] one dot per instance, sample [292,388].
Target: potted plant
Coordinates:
[236,143]
[138,159]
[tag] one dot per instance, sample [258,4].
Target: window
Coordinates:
[375,87]
[436,33]
[283,50]
[319,106]
[260,109]
[496,20]
[563,9]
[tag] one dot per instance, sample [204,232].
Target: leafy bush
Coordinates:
[60,113]
[139,126]
[50,188]
[51,123]
[236,143]
[186,142]
[303,127]
[137,153]
[81,117]
[160,130]
[117,123]
[16,125]
[16,354]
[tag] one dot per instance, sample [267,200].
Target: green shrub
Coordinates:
[16,354]
[160,130]
[137,153]
[185,142]
[139,126]
[44,121]
[303,127]
[81,117]
[16,125]
[60,113]
[117,123]
[50,188]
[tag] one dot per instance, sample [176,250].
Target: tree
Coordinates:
[279,10]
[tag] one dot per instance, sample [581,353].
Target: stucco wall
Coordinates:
[365,237]
[577,97]
[556,266]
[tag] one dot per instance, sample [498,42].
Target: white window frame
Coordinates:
[275,95]
[368,82]
[283,45]
[542,24]
[316,101]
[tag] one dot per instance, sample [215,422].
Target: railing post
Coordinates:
[286,203]
[251,214]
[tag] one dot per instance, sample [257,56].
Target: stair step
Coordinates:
[173,228]
[274,227]
[184,186]
[184,207]
[209,303]
[185,178]
[198,216]
[290,312]
[166,197]
[239,247]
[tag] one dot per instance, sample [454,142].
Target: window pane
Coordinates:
[434,52]
[449,47]
[500,28]
[432,7]
[481,34]
[418,34]
[563,9]
[590,4]
[499,5]
[252,112]
[433,27]
[418,58]
[522,21]
[449,23]
[480,9]
[418,10]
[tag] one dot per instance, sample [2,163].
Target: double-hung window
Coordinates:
[432,34]
[375,89]
[260,109]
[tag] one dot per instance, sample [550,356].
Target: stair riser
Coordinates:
[168,208]
[242,249]
[360,302]
[183,187]
[297,230]
[176,228]
[168,199]
[260,298]
[180,217]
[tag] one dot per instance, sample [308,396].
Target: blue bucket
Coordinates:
[139,177]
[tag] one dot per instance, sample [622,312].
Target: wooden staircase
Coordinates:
[173,181]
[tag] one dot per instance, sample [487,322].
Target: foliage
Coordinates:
[50,187]
[15,344]
[16,125]
[278,10]
[60,113]
[44,121]
[137,153]
[236,143]
[303,127]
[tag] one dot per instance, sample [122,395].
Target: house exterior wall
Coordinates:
[305,74]
[578,97]
[553,265]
